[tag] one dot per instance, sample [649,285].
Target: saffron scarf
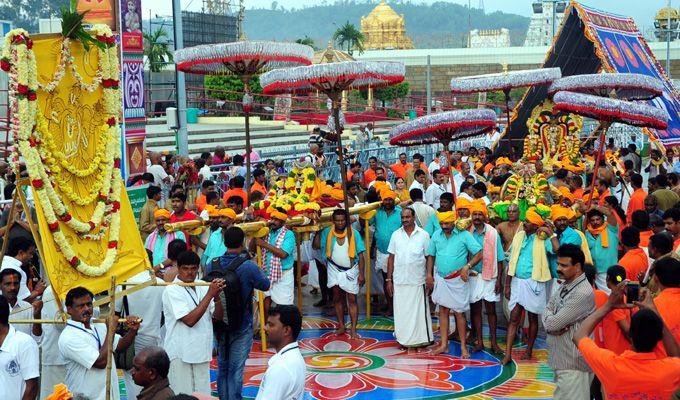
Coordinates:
[601,230]
[541,271]
[329,243]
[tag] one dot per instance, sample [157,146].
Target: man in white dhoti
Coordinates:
[189,311]
[528,272]
[485,282]
[406,272]
[345,265]
[447,277]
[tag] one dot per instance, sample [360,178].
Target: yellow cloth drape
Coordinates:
[541,271]
[74,115]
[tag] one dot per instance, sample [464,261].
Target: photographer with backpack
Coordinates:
[234,332]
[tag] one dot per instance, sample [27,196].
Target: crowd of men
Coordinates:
[599,274]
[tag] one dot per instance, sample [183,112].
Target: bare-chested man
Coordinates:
[508,229]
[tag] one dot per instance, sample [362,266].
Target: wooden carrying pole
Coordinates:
[260,306]
[109,338]
[367,267]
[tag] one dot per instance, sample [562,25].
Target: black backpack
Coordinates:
[230,298]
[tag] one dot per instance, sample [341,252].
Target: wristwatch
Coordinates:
[554,235]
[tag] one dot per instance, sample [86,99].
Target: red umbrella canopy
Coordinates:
[443,127]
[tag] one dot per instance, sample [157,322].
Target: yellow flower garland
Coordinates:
[25,115]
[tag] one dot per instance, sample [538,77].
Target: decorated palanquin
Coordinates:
[300,193]
[65,110]
[553,138]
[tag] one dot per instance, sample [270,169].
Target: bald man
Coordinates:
[150,371]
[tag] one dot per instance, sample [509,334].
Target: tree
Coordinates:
[389,93]
[230,87]
[307,41]
[348,35]
[156,50]
[25,14]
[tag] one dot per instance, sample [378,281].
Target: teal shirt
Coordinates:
[525,262]
[214,248]
[451,254]
[569,236]
[479,237]
[385,226]
[160,248]
[432,225]
[358,242]
[604,257]
[288,246]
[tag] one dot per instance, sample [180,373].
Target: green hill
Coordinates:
[441,24]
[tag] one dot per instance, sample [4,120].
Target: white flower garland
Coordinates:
[19,60]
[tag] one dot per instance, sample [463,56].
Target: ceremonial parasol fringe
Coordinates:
[220,58]
[351,74]
[442,127]
[624,86]
[612,110]
[504,80]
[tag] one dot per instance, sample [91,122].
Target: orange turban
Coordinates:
[226,212]
[161,213]
[388,193]
[462,203]
[558,211]
[278,215]
[212,210]
[379,186]
[566,193]
[533,217]
[446,217]
[503,160]
[480,206]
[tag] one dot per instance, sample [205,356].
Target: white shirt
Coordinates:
[205,173]
[79,347]
[146,304]
[192,345]
[433,192]
[409,256]
[19,362]
[434,165]
[417,185]
[458,180]
[465,196]
[423,212]
[13,263]
[23,310]
[158,173]
[285,376]
[50,339]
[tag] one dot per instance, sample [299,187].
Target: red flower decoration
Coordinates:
[74,261]
[5,64]
[113,244]
[102,197]
[101,38]
[111,40]
[116,206]
[53,226]
[65,217]
[29,43]
[37,183]
[18,39]
[32,95]
[111,121]
[116,163]
[22,89]
[92,225]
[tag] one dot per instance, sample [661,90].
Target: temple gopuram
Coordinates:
[384,29]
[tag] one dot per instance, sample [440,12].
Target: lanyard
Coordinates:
[192,297]
[95,335]
[289,349]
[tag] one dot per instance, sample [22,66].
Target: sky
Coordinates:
[642,11]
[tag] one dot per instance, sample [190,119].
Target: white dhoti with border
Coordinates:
[412,321]
[282,292]
[453,293]
[529,294]
[189,378]
[347,280]
[483,290]
[381,261]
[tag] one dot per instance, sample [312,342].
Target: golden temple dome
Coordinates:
[662,14]
[330,55]
[383,29]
